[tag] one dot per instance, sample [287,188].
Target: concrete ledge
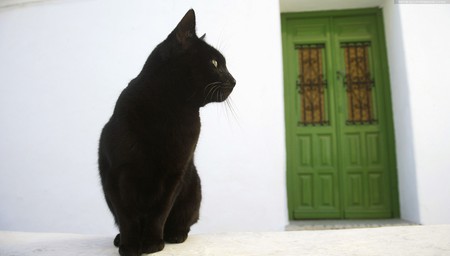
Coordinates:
[409,240]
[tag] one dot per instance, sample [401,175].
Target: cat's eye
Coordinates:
[214,62]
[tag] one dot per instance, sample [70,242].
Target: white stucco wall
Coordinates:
[62,66]
[428,63]
[405,151]
[419,59]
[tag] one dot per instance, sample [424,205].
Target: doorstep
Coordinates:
[345,224]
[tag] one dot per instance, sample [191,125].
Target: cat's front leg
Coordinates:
[138,244]
[151,240]
[185,211]
[130,201]
[128,240]
[153,222]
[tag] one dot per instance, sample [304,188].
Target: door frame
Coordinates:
[290,158]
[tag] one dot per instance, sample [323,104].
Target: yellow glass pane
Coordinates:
[358,83]
[311,85]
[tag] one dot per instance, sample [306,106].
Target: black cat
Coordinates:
[146,152]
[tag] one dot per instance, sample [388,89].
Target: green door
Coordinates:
[340,146]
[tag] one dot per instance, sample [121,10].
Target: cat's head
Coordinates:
[202,67]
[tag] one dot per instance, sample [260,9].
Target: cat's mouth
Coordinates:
[227,87]
[225,91]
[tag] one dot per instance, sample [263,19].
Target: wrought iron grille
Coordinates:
[359,83]
[311,84]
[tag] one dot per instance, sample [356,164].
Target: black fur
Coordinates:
[146,152]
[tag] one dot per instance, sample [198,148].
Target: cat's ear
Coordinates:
[185,30]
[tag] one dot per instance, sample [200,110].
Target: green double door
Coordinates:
[340,145]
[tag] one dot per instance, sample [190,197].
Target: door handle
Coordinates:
[340,74]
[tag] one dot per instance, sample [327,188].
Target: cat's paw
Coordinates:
[129,251]
[117,240]
[175,238]
[152,246]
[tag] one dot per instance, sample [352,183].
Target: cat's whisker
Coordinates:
[210,85]
[220,95]
[230,106]
[213,93]
[230,111]
[211,88]
[219,40]
[218,91]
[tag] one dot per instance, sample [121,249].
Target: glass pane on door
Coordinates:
[359,83]
[311,84]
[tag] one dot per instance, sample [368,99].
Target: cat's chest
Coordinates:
[173,135]
[176,144]
[184,126]
[182,134]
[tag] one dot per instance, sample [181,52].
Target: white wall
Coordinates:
[62,66]
[323,5]
[428,63]
[419,59]
[405,147]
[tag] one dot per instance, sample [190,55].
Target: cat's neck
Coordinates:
[165,91]
[150,97]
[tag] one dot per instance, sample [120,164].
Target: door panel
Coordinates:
[361,125]
[317,176]
[336,122]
